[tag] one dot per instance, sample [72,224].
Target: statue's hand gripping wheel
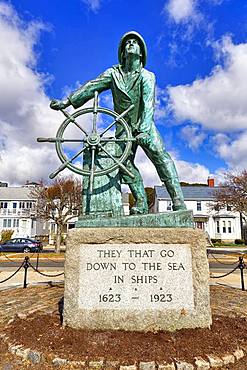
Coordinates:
[94,141]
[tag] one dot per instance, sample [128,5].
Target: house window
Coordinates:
[5,222]
[224,227]
[199,206]
[4,205]
[228,208]
[229,227]
[14,207]
[218,227]
[9,222]
[169,205]
[33,223]
[16,222]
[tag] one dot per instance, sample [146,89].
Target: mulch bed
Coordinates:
[44,333]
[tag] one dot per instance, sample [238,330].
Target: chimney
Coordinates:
[210,182]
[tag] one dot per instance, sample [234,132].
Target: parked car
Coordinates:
[22,245]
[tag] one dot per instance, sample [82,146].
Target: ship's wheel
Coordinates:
[93,140]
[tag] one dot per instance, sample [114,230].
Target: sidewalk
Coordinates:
[233,280]
[33,278]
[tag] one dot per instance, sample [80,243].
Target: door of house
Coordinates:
[200,225]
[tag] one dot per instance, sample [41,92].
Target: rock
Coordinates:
[96,364]
[13,348]
[182,365]
[201,364]
[81,363]
[215,361]
[128,367]
[147,365]
[166,366]
[34,356]
[59,361]
[228,359]
[111,365]
[239,353]
[22,316]
[22,352]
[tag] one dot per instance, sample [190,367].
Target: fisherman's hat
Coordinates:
[139,38]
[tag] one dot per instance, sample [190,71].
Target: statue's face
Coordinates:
[132,47]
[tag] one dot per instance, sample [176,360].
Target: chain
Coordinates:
[3,281]
[41,273]
[227,264]
[221,276]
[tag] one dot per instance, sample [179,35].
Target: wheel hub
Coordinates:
[93,139]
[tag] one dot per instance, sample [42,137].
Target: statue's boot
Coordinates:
[176,195]
[141,204]
[168,175]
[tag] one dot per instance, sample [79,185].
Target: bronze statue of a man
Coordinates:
[130,83]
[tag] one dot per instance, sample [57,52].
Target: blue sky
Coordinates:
[196,48]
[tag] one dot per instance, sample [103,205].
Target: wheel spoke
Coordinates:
[64,165]
[117,119]
[72,119]
[95,111]
[92,171]
[117,140]
[117,162]
[58,139]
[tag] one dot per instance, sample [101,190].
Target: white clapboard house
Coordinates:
[221,224]
[18,212]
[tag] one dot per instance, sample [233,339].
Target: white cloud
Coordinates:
[193,136]
[24,107]
[218,101]
[192,172]
[93,5]
[181,10]
[233,150]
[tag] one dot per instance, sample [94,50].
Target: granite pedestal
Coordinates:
[136,279]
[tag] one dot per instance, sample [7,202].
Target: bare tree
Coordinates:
[233,192]
[59,201]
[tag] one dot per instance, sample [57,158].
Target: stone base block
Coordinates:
[164,219]
[136,279]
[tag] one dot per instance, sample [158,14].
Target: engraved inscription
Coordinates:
[136,276]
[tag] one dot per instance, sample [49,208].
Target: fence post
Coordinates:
[37,262]
[26,265]
[241,266]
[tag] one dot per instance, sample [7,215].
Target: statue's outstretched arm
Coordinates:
[85,92]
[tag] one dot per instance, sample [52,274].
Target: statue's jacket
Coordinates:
[139,90]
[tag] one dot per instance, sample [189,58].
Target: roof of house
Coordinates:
[189,192]
[15,193]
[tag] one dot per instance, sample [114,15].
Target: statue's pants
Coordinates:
[154,149]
